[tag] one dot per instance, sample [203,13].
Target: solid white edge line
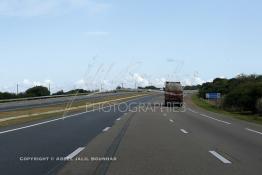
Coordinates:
[221,158]
[171,120]
[192,110]
[73,154]
[183,131]
[251,130]
[222,121]
[61,118]
[48,121]
[106,129]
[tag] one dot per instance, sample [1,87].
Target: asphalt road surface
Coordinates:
[53,139]
[147,139]
[190,142]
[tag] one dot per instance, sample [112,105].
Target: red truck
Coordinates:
[173,93]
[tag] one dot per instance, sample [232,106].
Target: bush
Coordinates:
[77,91]
[37,91]
[193,87]
[243,97]
[7,95]
[61,92]
[259,106]
[239,94]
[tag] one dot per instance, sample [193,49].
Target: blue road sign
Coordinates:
[213,95]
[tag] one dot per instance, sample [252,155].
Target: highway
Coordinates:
[53,139]
[148,139]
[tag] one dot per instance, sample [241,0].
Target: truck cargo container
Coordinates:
[173,93]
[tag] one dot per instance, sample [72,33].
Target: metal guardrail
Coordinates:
[56,96]
[42,97]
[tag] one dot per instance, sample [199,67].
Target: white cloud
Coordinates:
[159,82]
[144,80]
[7,89]
[47,81]
[198,80]
[27,82]
[210,80]
[97,84]
[140,80]
[89,85]
[81,84]
[193,81]
[222,76]
[36,83]
[49,7]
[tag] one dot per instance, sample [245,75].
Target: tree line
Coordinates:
[148,87]
[240,94]
[38,91]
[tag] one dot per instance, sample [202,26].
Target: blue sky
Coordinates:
[86,43]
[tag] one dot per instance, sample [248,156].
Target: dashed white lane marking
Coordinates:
[183,131]
[192,110]
[221,158]
[118,119]
[172,121]
[106,129]
[73,154]
[251,130]
[222,121]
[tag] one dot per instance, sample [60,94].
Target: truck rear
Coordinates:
[173,93]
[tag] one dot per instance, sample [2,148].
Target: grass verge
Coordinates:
[204,104]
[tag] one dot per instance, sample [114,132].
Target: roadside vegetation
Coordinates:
[194,87]
[149,87]
[240,96]
[39,91]
[74,91]
[255,118]
[36,91]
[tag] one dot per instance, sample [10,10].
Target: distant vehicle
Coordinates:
[173,93]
